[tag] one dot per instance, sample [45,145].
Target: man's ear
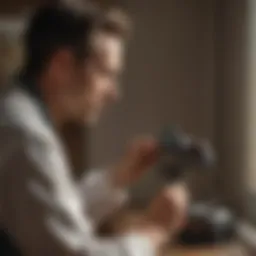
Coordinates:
[62,64]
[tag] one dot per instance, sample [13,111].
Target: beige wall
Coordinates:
[170,77]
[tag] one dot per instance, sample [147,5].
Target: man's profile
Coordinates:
[73,59]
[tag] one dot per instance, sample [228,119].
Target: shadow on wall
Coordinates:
[11,56]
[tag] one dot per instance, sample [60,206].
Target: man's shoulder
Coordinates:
[20,115]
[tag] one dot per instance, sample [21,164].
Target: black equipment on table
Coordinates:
[208,225]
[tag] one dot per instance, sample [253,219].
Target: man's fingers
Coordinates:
[143,152]
[141,155]
[170,207]
[177,194]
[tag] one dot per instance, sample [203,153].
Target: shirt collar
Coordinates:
[30,86]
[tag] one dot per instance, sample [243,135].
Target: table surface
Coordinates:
[232,249]
[225,250]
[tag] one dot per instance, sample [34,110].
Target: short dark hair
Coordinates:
[71,25]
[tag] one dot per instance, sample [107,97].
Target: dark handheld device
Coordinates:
[180,153]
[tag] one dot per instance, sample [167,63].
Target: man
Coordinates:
[73,57]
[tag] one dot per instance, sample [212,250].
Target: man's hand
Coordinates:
[140,156]
[169,208]
[163,219]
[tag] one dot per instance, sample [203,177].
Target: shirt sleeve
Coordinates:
[101,196]
[40,207]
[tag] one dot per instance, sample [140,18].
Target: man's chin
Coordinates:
[92,120]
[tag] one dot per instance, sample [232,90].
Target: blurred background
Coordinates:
[190,63]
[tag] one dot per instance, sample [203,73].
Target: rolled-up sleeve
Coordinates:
[42,210]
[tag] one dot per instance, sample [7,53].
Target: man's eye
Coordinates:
[108,75]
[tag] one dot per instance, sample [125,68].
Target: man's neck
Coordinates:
[51,101]
[41,87]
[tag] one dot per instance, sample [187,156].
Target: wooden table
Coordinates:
[225,250]
[234,249]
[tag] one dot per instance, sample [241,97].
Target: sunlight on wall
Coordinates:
[250,113]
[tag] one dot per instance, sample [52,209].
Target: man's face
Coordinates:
[91,86]
[102,76]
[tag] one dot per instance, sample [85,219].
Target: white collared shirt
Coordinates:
[44,210]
